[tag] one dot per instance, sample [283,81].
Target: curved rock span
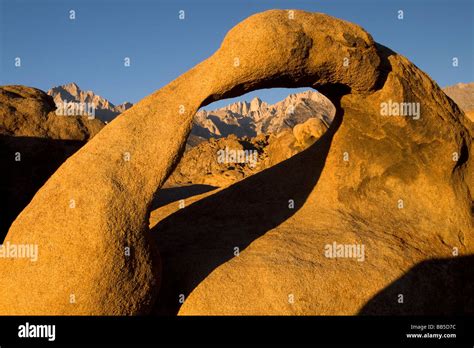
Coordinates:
[396,184]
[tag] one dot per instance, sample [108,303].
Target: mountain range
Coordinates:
[244,119]
[104,109]
[249,119]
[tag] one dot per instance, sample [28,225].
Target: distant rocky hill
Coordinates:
[463,95]
[274,132]
[104,109]
[216,162]
[249,119]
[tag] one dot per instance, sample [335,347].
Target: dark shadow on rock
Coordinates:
[432,287]
[20,180]
[172,194]
[199,238]
[385,66]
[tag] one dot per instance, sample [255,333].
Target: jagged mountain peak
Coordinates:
[104,109]
[256,117]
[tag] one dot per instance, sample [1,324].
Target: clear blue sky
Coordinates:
[90,49]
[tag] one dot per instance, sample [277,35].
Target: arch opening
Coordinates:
[234,138]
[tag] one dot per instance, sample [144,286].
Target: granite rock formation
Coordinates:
[393,184]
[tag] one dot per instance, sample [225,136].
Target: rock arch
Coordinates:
[81,249]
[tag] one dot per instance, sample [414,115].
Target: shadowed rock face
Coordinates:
[34,142]
[81,249]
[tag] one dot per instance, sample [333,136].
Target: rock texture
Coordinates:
[280,267]
[201,164]
[104,109]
